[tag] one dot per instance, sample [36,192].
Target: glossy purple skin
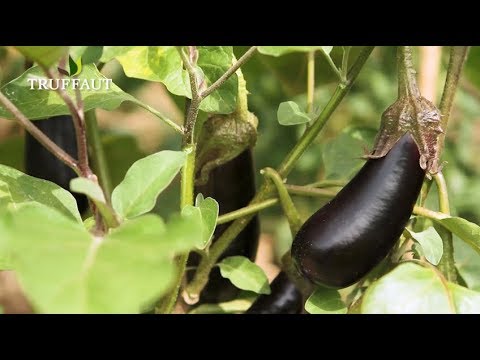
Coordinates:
[350,235]
[284,298]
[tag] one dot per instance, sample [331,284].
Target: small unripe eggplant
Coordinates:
[284,298]
[40,163]
[351,234]
[233,186]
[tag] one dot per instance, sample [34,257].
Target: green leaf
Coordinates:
[94,192]
[205,213]
[144,181]
[467,262]
[282,50]
[411,288]
[40,104]
[464,229]
[18,188]
[325,301]
[289,113]
[89,54]
[163,64]
[64,269]
[209,209]
[244,274]
[466,301]
[431,243]
[342,156]
[44,55]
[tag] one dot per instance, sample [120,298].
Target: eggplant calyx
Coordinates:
[419,117]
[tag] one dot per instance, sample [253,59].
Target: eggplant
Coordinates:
[40,163]
[351,234]
[284,298]
[233,186]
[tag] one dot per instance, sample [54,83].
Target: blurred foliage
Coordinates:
[336,153]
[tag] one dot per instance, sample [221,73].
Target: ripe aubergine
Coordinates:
[284,298]
[39,162]
[233,186]
[351,234]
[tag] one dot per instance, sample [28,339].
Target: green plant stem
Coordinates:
[327,183]
[429,214]
[247,210]
[288,206]
[266,190]
[162,117]
[310,80]
[447,262]
[458,55]
[346,54]
[310,191]
[97,155]
[333,67]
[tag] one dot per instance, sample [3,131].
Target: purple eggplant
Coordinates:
[344,240]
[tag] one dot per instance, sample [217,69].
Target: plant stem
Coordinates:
[78,117]
[310,81]
[201,276]
[310,191]
[162,117]
[97,154]
[228,73]
[447,262]
[458,55]
[407,81]
[294,219]
[247,210]
[443,202]
[327,183]
[429,214]
[346,53]
[39,135]
[333,67]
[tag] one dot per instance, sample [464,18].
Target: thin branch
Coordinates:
[429,214]
[458,55]
[79,123]
[310,81]
[247,210]
[310,191]
[228,73]
[39,135]
[442,193]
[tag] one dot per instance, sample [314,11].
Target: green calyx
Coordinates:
[224,136]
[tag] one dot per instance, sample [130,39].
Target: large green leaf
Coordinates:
[64,269]
[244,274]
[464,229]
[163,64]
[431,243]
[45,55]
[325,301]
[342,156]
[282,50]
[39,104]
[467,262]
[144,181]
[411,288]
[18,188]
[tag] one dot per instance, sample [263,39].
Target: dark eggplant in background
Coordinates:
[284,298]
[233,186]
[350,235]
[40,163]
